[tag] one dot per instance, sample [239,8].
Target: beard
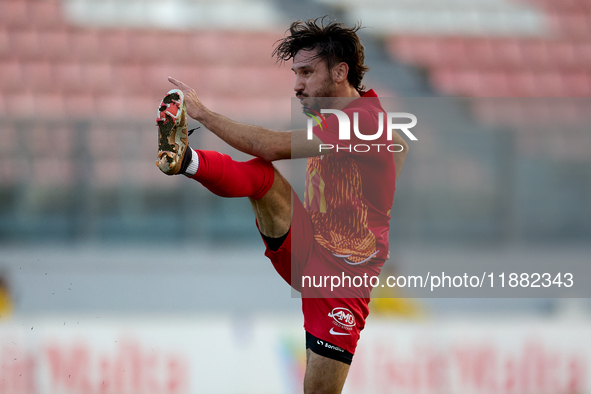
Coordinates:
[321,98]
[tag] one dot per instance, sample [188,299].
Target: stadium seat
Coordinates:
[111,106]
[141,107]
[523,83]
[577,84]
[67,77]
[535,54]
[11,73]
[21,108]
[4,43]
[211,47]
[156,77]
[50,105]
[148,46]
[129,78]
[520,112]
[55,44]
[491,84]
[14,13]
[562,54]
[220,80]
[25,43]
[564,5]
[86,45]
[45,14]
[114,45]
[571,24]
[37,75]
[124,106]
[97,77]
[80,105]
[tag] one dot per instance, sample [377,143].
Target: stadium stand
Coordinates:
[510,49]
[118,70]
[87,84]
[87,70]
[489,48]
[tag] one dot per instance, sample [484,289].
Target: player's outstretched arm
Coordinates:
[258,141]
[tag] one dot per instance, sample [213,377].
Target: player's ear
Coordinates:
[340,72]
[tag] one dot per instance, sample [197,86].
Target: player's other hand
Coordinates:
[195,109]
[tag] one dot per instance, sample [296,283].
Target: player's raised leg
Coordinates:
[268,191]
[273,210]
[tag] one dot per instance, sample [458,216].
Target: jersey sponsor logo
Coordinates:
[343,317]
[333,332]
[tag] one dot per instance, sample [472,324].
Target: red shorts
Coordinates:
[335,314]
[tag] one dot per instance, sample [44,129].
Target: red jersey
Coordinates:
[349,192]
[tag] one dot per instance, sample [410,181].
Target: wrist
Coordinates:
[204,116]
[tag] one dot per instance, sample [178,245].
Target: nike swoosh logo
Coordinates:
[333,332]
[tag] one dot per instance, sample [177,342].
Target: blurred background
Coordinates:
[107,264]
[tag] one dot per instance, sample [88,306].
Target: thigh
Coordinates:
[290,259]
[324,375]
[273,211]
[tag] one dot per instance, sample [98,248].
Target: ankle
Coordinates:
[190,163]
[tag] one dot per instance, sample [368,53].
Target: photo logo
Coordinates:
[343,316]
[345,124]
[345,129]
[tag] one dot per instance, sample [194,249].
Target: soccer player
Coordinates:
[342,229]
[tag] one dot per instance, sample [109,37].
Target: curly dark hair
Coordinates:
[336,43]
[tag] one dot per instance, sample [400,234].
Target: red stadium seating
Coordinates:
[45,14]
[25,44]
[105,68]
[79,105]
[55,44]
[87,45]
[115,45]
[557,65]
[4,43]
[15,13]
[10,75]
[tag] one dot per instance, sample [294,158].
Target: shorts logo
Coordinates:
[333,332]
[321,343]
[343,317]
[333,347]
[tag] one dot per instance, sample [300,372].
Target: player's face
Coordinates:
[313,79]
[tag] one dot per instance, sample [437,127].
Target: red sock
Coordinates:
[228,178]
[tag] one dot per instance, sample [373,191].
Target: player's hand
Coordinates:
[195,109]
